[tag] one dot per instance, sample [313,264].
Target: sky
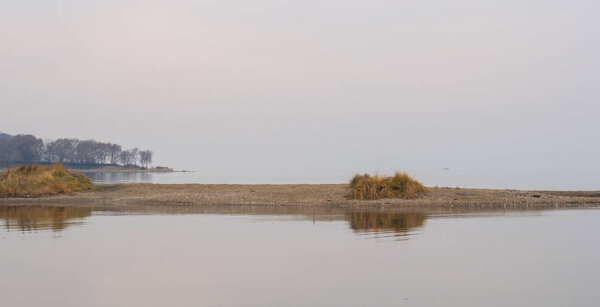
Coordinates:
[314,91]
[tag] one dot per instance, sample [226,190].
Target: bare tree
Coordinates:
[61,150]
[114,153]
[124,157]
[50,152]
[4,150]
[26,148]
[134,155]
[145,158]
[84,151]
[127,158]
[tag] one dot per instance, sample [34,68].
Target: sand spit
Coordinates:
[309,195]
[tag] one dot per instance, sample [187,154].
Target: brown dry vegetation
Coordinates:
[366,187]
[36,181]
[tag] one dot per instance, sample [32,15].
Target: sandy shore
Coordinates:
[309,195]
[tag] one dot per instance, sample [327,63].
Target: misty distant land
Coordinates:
[99,168]
[74,154]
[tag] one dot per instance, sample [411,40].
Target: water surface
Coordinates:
[493,179]
[265,256]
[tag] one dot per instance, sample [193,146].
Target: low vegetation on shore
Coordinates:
[35,181]
[367,187]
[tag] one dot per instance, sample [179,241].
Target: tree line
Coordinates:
[29,149]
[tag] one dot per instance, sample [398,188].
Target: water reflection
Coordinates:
[119,177]
[200,256]
[370,222]
[363,221]
[30,218]
[57,218]
[374,221]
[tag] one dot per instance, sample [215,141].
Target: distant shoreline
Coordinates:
[112,169]
[107,169]
[307,195]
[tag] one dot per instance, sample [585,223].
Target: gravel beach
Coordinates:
[308,195]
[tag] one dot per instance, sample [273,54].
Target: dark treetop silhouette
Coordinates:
[28,149]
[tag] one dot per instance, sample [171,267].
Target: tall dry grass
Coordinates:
[367,187]
[35,181]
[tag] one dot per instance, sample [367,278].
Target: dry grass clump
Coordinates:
[35,181]
[366,187]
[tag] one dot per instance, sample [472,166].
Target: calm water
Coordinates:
[266,256]
[500,179]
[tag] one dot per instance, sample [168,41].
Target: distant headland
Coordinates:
[74,154]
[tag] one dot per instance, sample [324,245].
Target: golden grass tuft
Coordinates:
[366,187]
[36,181]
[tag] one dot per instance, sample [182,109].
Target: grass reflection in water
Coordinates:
[30,218]
[361,221]
[385,224]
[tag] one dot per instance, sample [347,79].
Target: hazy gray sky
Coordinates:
[311,90]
